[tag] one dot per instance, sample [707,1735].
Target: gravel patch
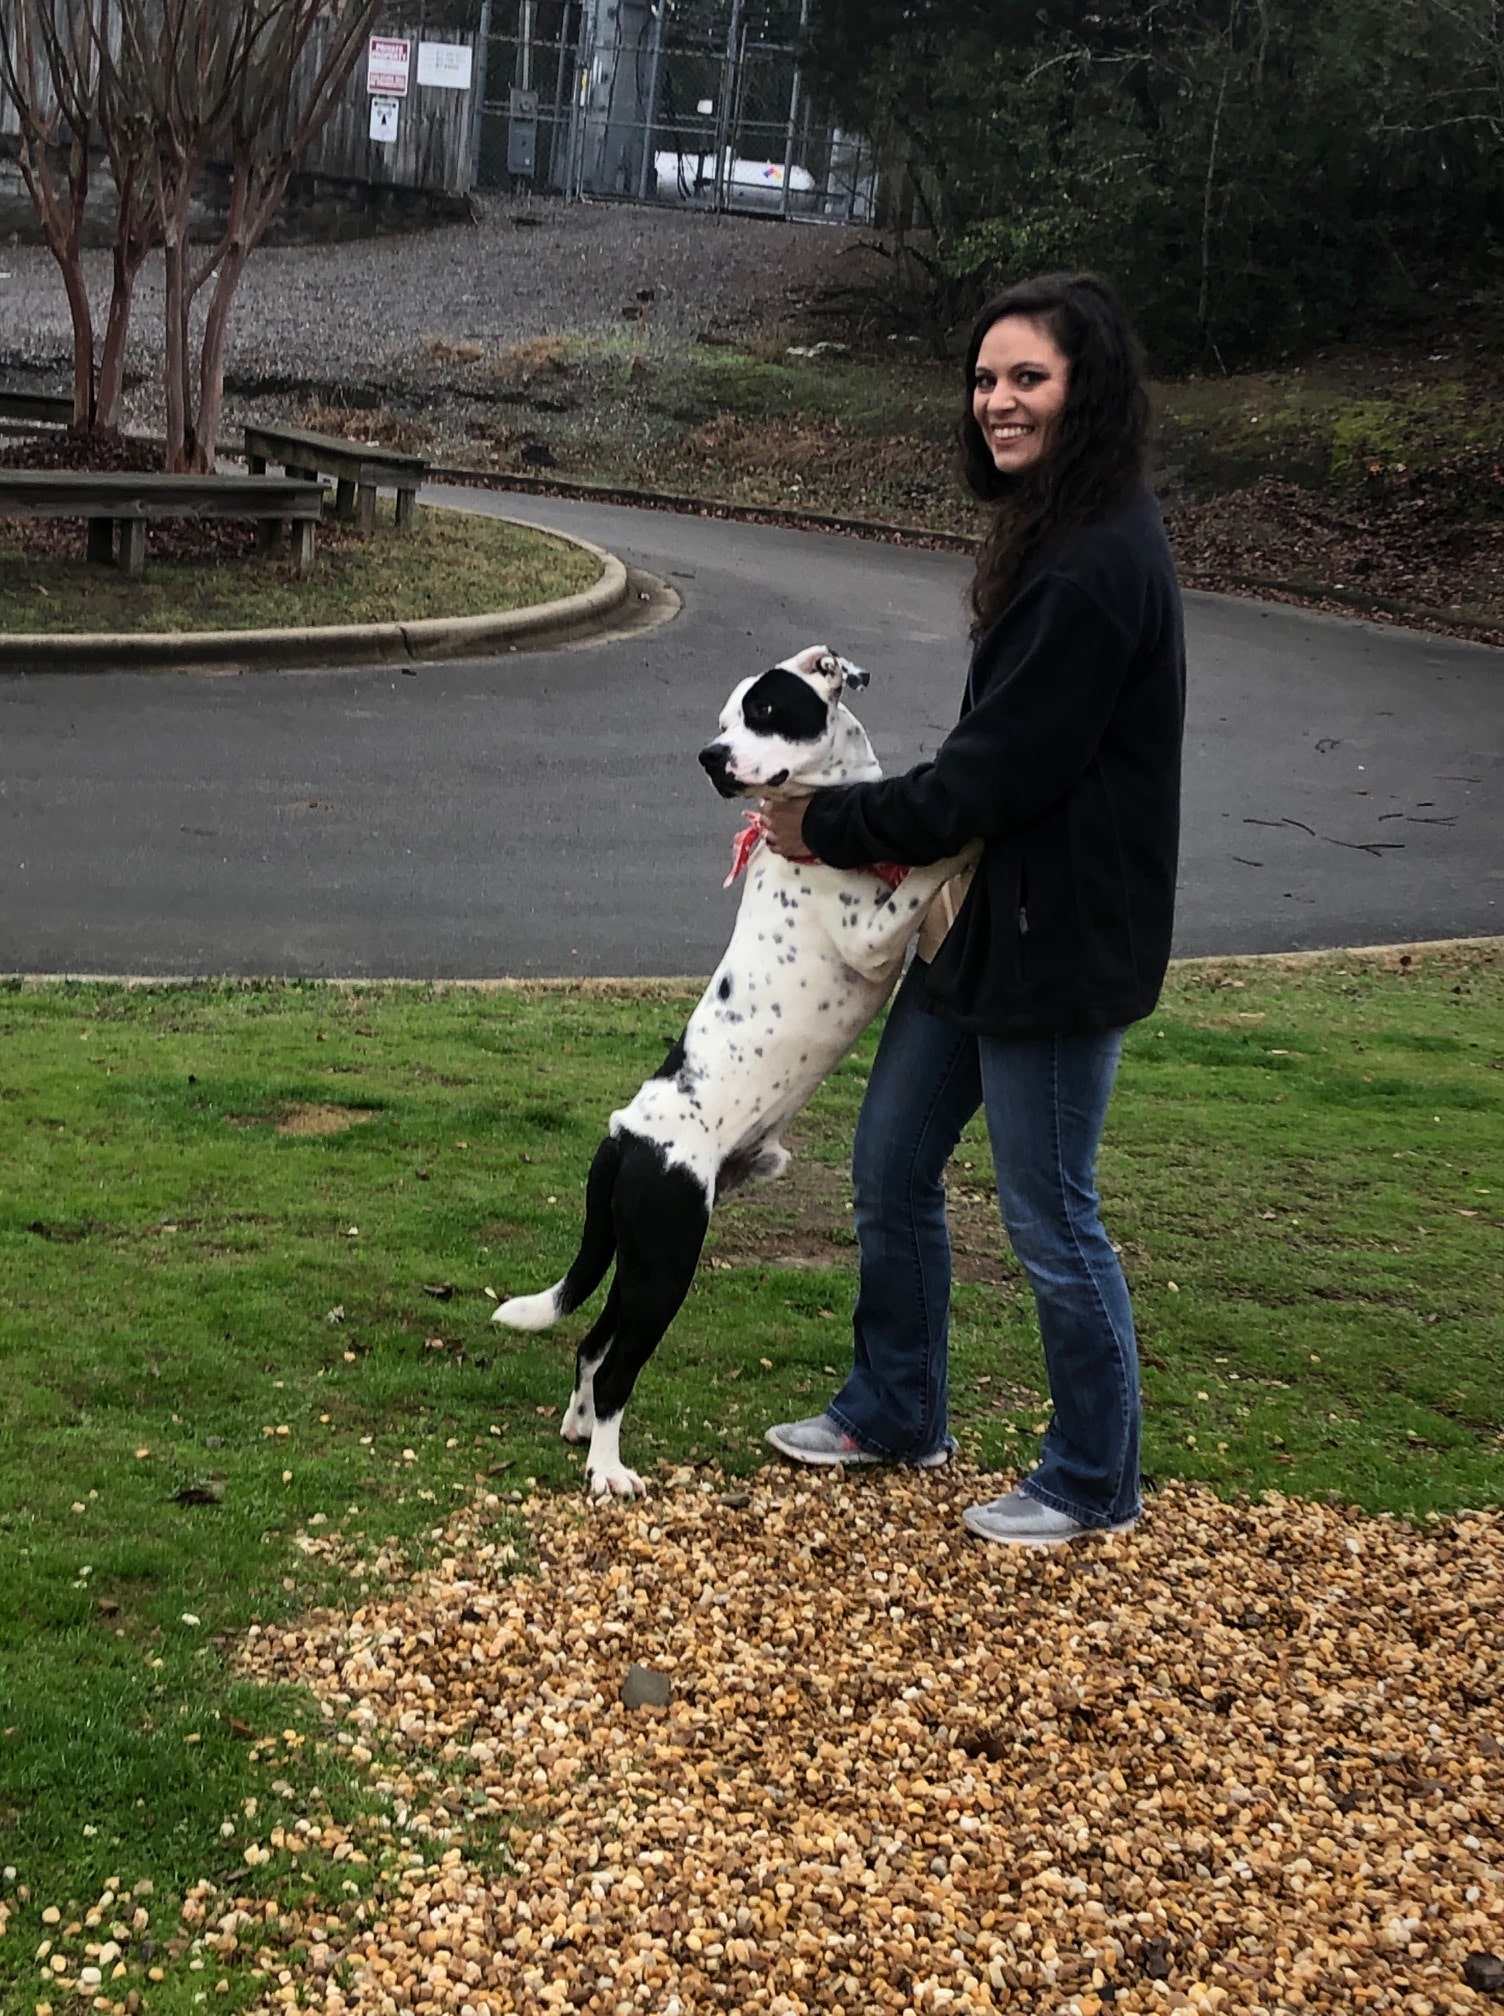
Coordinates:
[1247,1757]
[336,312]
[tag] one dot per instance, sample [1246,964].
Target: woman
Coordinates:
[1066,764]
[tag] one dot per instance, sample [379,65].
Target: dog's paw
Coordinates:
[616,1482]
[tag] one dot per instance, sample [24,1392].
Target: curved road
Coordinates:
[543,813]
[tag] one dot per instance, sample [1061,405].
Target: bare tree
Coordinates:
[55,67]
[249,85]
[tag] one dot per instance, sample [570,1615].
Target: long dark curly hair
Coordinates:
[1101,440]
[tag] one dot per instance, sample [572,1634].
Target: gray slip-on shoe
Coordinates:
[1020,1521]
[822,1440]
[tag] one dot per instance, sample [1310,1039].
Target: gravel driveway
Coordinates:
[330,312]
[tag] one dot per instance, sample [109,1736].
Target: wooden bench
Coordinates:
[53,409]
[358,469]
[128,500]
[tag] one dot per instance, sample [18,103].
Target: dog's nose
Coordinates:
[714,760]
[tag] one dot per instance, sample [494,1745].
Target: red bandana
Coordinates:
[745,845]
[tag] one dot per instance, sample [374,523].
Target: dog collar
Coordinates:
[745,845]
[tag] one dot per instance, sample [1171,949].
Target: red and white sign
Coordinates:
[388,62]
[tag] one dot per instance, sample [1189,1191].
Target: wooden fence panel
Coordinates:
[433,145]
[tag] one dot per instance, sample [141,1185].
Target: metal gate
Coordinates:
[697,102]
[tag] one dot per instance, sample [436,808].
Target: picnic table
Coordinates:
[359,469]
[128,500]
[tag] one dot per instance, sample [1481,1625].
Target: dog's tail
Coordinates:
[588,1268]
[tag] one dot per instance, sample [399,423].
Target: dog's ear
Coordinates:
[839,671]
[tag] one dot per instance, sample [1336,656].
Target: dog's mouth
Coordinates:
[772,783]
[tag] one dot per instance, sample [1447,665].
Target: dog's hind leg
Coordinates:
[588,1268]
[579,1415]
[662,1211]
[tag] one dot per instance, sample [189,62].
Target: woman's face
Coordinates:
[1018,390]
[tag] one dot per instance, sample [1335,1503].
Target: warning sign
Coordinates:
[388,63]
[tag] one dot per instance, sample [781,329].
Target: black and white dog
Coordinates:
[812,958]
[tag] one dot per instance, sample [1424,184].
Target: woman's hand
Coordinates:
[783,826]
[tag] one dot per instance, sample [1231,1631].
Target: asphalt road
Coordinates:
[544,813]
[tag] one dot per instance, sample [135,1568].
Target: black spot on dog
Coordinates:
[673,1063]
[781,703]
[724,990]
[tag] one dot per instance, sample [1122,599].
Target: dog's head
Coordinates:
[786,732]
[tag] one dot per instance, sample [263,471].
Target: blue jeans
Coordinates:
[1046,1100]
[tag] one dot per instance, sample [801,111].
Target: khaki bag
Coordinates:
[942,913]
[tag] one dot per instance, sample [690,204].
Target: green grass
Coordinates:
[1327,424]
[1305,1170]
[454,564]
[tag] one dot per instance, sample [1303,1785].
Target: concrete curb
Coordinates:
[428,640]
[587,986]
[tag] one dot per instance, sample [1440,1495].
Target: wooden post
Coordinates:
[344,498]
[407,509]
[255,465]
[133,547]
[102,541]
[303,545]
[367,495]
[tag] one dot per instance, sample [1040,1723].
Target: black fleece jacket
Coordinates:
[1066,763]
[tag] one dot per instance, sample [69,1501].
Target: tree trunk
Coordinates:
[133,240]
[211,371]
[62,233]
[174,374]
[112,356]
[84,408]
[175,199]
[250,213]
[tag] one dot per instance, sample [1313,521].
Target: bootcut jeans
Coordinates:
[1045,1100]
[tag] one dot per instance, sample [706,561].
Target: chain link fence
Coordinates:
[686,102]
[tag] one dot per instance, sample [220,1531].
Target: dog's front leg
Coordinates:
[605,1473]
[879,940]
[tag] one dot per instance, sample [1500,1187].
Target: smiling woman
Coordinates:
[1065,764]
[1019,387]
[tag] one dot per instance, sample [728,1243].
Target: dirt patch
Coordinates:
[1405,548]
[379,424]
[803,1221]
[308,1121]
